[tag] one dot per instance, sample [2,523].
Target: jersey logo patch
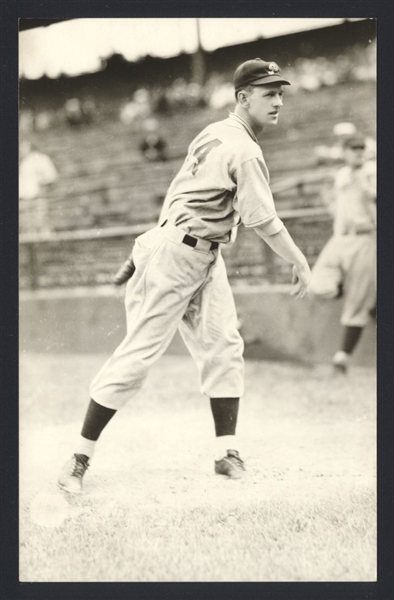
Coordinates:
[200,154]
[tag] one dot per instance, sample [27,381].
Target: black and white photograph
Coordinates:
[197,228]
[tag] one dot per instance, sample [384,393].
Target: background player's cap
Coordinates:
[344,129]
[258,72]
[355,142]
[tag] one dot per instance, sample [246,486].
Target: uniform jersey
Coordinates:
[224,181]
[355,199]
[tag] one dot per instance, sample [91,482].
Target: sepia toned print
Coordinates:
[197,242]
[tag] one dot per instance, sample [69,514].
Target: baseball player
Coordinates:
[347,264]
[179,278]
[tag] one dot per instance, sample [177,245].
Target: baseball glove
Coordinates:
[125,272]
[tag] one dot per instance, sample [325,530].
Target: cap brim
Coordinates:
[271,79]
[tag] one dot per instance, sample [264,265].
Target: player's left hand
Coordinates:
[301,279]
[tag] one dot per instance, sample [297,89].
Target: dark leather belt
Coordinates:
[189,240]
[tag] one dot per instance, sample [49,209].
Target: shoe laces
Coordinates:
[233,456]
[79,466]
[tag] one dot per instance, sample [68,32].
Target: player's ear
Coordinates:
[243,98]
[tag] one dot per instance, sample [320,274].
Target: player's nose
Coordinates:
[278,102]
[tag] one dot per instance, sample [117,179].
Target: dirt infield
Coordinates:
[304,512]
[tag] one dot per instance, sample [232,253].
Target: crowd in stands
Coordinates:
[358,64]
[306,75]
[75,112]
[79,112]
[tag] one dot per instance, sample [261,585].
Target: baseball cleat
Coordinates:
[340,362]
[70,479]
[231,465]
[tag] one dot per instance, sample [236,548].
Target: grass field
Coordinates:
[153,510]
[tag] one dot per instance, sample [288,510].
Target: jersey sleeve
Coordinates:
[253,201]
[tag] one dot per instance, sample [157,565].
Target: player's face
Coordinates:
[355,156]
[265,102]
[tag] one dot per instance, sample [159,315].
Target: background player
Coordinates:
[347,264]
[180,279]
[36,173]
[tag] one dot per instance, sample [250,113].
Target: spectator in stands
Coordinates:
[195,97]
[222,96]
[89,110]
[142,100]
[43,120]
[327,71]
[177,94]
[26,122]
[153,146]
[139,108]
[36,172]
[80,112]
[358,63]
[73,112]
[308,75]
[184,96]
[160,102]
[365,70]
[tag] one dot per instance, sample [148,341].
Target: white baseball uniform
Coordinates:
[349,257]
[180,279]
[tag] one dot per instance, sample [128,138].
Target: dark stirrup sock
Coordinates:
[96,418]
[225,414]
[351,337]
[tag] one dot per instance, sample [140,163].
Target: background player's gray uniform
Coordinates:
[349,257]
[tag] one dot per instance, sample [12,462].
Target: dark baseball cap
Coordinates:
[258,72]
[356,142]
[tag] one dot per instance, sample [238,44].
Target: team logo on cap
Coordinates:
[272,68]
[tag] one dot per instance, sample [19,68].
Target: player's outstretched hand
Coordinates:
[301,279]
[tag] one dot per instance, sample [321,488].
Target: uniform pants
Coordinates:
[349,260]
[175,286]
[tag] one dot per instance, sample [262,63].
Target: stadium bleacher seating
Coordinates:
[104,182]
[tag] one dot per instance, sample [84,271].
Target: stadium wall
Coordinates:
[273,325]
